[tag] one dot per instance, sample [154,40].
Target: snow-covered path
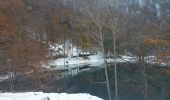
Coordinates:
[46,96]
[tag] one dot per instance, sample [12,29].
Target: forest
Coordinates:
[28,27]
[112,29]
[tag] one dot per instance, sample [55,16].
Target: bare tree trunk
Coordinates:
[106,73]
[103,53]
[72,47]
[163,92]
[64,51]
[115,66]
[145,84]
[77,49]
[143,66]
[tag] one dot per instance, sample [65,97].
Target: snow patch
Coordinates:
[7,76]
[46,96]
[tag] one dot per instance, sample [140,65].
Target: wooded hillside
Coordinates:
[27,27]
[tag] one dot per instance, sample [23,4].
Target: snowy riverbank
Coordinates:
[73,58]
[96,60]
[46,96]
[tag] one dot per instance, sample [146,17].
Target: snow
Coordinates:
[158,10]
[46,96]
[141,3]
[7,76]
[73,60]
[93,60]
[70,50]
[129,58]
[79,60]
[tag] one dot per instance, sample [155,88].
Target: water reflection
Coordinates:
[91,79]
[72,71]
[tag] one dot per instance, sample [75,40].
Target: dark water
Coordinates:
[91,79]
[130,82]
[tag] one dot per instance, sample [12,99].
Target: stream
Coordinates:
[91,79]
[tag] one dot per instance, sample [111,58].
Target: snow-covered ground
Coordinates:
[71,50]
[46,96]
[96,59]
[77,60]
